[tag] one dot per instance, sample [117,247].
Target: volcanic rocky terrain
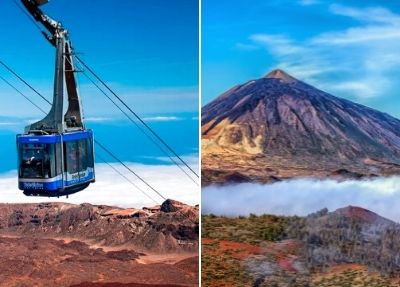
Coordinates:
[278,127]
[60,244]
[351,246]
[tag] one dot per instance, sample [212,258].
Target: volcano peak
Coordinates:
[278,127]
[281,75]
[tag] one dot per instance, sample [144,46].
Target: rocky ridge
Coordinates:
[61,244]
[171,227]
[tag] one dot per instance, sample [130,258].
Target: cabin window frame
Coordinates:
[38,158]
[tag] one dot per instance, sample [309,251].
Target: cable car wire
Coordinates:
[19,92]
[140,128]
[135,114]
[25,82]
[116,158]
[39,94]
[128,168]
[29,17]
[98,143]
[126,178]
[98,78]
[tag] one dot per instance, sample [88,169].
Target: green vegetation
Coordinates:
[253,229]
[353,278]
[321,241]
[223,267]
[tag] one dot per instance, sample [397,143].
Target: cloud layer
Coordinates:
[112,189]
[304,196]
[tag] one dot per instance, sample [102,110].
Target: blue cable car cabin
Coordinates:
[55,154]
[55,165]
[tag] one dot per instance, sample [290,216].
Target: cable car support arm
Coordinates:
[55,122]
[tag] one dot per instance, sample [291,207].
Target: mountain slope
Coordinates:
[349,235]
[277,127]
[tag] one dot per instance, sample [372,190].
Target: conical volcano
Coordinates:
[279,127]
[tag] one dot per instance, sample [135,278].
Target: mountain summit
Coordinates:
[281,75]
[279,127]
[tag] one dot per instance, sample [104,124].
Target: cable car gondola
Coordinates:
[56,154]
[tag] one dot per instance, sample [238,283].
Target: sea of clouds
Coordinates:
[111,188]
[304,196]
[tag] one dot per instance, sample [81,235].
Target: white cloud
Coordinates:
[191,160]
[380,24]
[360,61]
[112,189]
[21,122]
[308,2]
[31,121]
[369,14]
[278,44]
[359,35]
[304,196]
[246,47]
[143,100]
[8,124]
[98,119]
[162,119]
[11,125]
[358,88]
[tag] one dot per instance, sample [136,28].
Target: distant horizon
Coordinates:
[126,141]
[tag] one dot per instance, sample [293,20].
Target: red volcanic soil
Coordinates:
[285,253]
[113,284]
[242,250]
[60,244]
[48,262]
[239,250]
[287,264]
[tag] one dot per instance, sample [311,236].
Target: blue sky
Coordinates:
[147,51]
[348,48]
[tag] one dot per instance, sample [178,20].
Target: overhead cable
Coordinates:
[136,115]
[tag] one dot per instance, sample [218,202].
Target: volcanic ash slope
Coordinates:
[278,127]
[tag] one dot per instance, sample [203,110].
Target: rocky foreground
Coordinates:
[61,244]
[351,246]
